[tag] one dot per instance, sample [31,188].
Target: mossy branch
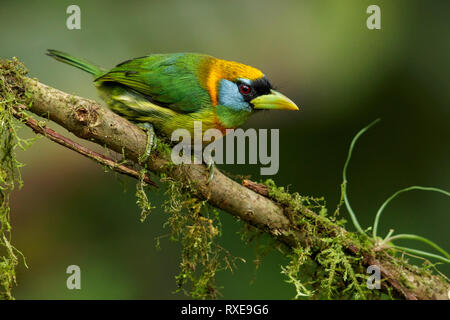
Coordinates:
[287,218]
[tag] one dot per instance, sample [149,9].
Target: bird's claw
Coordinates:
[210,166]
[151,141]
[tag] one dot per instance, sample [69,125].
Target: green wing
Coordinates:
[168,80]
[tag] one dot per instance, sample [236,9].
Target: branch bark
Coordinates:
[72,145]
[249,202]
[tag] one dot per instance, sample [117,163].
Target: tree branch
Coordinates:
[251,203]
[72,145]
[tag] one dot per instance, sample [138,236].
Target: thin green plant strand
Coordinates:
[388,238]
[411,236]
[422,253]
[377,217]
[419,238]
[344,176]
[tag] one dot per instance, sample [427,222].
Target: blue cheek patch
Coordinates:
[229,96]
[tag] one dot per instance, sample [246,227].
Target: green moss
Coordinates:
[163,147]
[322,268]
[294,269]
[196,226]
[141,196]
[11,95]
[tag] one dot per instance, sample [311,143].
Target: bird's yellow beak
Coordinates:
[274,101]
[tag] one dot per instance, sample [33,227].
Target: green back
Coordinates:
[169,80]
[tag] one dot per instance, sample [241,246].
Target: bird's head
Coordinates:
[238,90]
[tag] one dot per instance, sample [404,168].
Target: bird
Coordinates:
[169,91]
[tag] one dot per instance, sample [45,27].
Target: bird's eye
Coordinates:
[245,89]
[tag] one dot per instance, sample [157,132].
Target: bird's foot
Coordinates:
[210,166]
[151,140]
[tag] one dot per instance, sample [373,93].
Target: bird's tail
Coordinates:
[79,63]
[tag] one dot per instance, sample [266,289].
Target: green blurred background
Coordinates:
[319,53]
